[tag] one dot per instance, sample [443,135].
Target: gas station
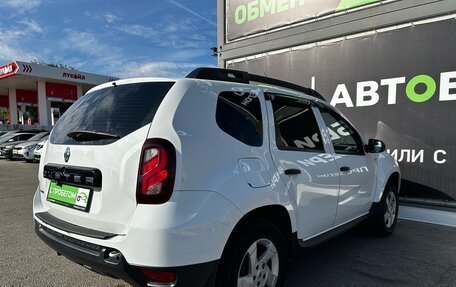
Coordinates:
[36,94]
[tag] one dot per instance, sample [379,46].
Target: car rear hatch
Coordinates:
[90,166]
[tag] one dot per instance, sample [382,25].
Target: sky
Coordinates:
[161,38]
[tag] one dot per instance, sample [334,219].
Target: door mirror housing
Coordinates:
[375,146]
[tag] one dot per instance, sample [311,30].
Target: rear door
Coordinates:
[305,163]
[102,166]
[357,168]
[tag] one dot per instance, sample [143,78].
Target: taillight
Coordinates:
[159,276]
[156,173]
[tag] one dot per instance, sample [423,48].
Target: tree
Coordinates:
[62,66]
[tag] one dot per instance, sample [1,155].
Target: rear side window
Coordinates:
[117,110]
[295,125]
[24,137]
[239,115]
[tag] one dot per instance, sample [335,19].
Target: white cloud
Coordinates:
[84,42]
[138,30]
[111,18]
[102,57]
[32,26]
[179,25]
[13,37]
[88,14]
[187,55]
[158,69]
[10,48]
[21,5]
[114,62]
[181,34]
[108,17]
[179,5]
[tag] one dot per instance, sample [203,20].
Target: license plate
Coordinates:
[14,151]
[70,196]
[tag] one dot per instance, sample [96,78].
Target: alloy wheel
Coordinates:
[390,212]
[260,265]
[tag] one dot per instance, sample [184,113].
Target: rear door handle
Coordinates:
[292,171]
[344,169]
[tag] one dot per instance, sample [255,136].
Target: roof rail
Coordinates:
[236,76]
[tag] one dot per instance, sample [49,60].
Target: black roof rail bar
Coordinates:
[236,76]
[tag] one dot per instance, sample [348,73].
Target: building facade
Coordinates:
[35,94]
[389,66]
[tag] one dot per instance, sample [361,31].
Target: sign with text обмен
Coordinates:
[248,17]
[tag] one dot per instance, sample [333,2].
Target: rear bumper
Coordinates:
[193,228]
[111,262]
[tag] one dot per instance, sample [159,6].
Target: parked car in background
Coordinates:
[8,134]
[4,134]
[38,149]
[9,141]
[25,149]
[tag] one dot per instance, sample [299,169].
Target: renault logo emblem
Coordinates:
[67,154]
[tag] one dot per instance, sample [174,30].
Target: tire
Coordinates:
[384,217]
[243,262]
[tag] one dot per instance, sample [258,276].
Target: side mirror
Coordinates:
[375,146]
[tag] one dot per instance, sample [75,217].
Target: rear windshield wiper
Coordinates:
[84,136]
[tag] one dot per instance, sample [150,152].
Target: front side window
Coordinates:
[239,115]
[295,125]
[343,137]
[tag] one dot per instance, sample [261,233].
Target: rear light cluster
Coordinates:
[156,173]
[159,276]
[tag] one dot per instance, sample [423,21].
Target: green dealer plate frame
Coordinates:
[70,196]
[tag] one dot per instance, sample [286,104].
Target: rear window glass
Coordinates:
[239,115]
[116,110]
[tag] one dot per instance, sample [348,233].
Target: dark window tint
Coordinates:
[295,125]
[24,137]
[116,110]
[239,115]
[343,137]
[38,136]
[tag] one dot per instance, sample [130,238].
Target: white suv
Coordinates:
[210,180]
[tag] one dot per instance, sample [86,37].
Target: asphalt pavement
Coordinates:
[417,254]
